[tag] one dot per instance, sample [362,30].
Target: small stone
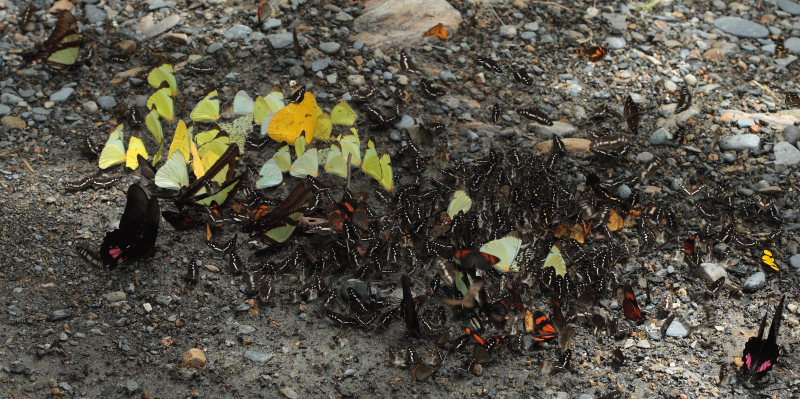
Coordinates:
[94,14]
[329,48]
[660,137]
[713,271]
[162,26]
[786,153]
[62,95]
[238,32]
[616,42]
[214,47]
[11,99]
[644,344]
[355,80]
[447,76]
[754,282]
[4,109]
[245,329]
[740,142]
[789,7]
[115,296]
[320,64]
[164,300]
[60,314]
[270,23]
[91,106]
[795,261]
[343,17]
[677,329]
[13,122]
[508,31]
[560,129]
[153,5]
[258,357]
[741,27]
[405,122]
[297,71]
[280,40]
[645,157]
[332,78]
[402,80]
[106,102]
[349,372]
[791,134]
[131,386]
[624,191]
[194,358]
[288,393]
[147,307]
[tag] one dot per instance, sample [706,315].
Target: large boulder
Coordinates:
[388,23]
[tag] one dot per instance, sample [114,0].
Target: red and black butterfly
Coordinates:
[761,354]
[593,53]
[489,342]
[630,306]
[180,221]
[471,260]
[540,326]
[136,236]
[351,209]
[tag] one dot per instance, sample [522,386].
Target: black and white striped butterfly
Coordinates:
[536,115]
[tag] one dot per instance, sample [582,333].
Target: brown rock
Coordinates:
[714,54]
[13,122]
[61,5]
[128,46]
[573,145]
[386,23]
[194,358]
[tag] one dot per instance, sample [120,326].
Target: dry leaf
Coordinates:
[615,221]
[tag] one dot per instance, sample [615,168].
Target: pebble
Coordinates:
[258,357]
[677,330]
[342,16]
[791,134]
[147,307]
[616,42]
[162,26]
[106,102]
[245,329]
[194,358]
[645,157]
[280,40]
[164,300]
[320,64]
[131,386]
[90,106]
[644,344]
[214,47]
[789,6]
[713,271]
[624,191]
[405,122]
[270,23]
[786,153]
[447,76]
[754,282]
[297,71]
[508,31]
[795,261]
[62,95]
[332,78]
[60,314]
[559,129]
[585,396]
[741,27]
[238,32]
[11,99]
[94,14]
[4,109]
[13,122]
[289,393]
[792,44]
[329,48]
[660,137]
[740,142]
[115,296]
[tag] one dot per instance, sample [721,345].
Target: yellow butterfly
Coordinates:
[343,114]
[768,260]
[378,167]
[460,202]
[180,142]
[506,250]
[294,120]
[164,74]
[207,110]
[162,102]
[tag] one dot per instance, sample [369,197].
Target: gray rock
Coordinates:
[795,261]
[786,153]
[5,109]
[404,123]
[387,75]
[297,71]
[258,357]
[245,329]
[450,102]
[90,106]
[645,157]
[62,95]
[508,31]
[560,129]
[754,282]
[164,300]
[791,134]
[61,314]
[115,296]
[94,14]
[741,27]
[280,40]
[270,23]
[320,64]
[342,16]
[153,5]
[329,48]
[585,396]
[162,26]
[644,344]
[131,386]
[355,80]
[789,6]
[238,32]
[447,76]
[529,36]
[677,329]
[740,142]
[289,393]
[106,102]
[792,44]
[744,123]
[616,42]
[660,137]
[11,99]
[214,47]
[624,191]
[713,271]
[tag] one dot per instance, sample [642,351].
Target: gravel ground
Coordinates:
[72,330]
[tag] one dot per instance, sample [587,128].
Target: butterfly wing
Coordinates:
[207,110]
[162,103]
[631,307]
[135,148]
[63,45]
[114,151]
[306,165]
[161,75]
[243,104]
[343,115]
[137,232]
[271,175]
[173,174]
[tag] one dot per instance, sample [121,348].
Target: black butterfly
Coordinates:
[780,50]
[97,181]
[792,100]
[408,309]
[760,354]
[684,100]
[632,114]
[489,64]
[496,113]
[136,235]
[62,47]
[26,15]
[521,75]
[406,63]
[535,114]
[298,95]
[431,90]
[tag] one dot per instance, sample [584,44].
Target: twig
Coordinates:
[28,165]
[767,89]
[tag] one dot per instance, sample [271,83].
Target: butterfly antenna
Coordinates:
[776,323]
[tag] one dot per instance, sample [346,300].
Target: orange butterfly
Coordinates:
[593,53]
[630,306]
[439,31]
[540,325]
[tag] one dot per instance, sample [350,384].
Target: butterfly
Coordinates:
[496,113]
[760,354]
[536,115]
[540,325]
[439,31]
[63,45]
[489,342]
[768,260]
[489,64]
[593,53]
[348,210]
[405,63]
[521,75]
[431,90]
[180,221]
[792,100]
[207,110]
[630,306]
[26,16]
[408,309]
[632,113]
[780,50]
[136,235]
[163,76]
[684,100]
[98,181]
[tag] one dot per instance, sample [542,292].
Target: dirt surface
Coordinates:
[70,329]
